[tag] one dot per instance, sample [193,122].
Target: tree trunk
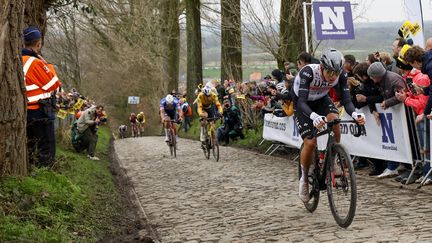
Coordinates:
[291,33]
[194,52]
[35,13]
[173,45]
[231,53]
[13,147]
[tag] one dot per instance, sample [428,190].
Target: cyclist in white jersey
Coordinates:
[313,106]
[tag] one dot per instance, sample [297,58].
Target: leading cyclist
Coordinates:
[169,111]
[313,106]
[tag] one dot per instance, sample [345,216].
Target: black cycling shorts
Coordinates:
[171,114]
[211,112]
[322,107]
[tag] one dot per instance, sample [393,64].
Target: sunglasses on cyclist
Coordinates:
[331,72]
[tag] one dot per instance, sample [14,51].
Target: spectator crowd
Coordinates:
[387,79]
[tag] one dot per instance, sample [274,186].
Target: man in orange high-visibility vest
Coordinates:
[41,82]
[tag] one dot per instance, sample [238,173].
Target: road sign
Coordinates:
[133,100]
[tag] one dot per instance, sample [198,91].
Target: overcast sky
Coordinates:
[390,10]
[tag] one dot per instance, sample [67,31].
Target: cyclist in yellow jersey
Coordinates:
[207,103]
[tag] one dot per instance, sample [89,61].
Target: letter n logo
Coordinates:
[335,15]
[387,127]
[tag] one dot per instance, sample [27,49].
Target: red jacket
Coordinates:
[417,102]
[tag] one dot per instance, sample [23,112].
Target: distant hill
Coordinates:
[369,37]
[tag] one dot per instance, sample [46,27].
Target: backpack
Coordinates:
[76,138]
[189,111]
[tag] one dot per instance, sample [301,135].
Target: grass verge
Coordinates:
[76,200]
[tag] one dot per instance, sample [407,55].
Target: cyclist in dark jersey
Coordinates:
[313,107]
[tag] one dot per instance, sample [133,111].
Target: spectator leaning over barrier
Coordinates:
[421,60]
[278,76]
[369,94]
[389,82]
[418,103]
[349,64]
[41,82]
[87,129]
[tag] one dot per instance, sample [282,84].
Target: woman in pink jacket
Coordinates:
[418,103]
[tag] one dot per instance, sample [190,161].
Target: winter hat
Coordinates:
[402,65]
[376,69]
[32,33]
[277,74]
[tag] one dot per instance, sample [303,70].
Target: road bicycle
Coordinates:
[211,139]
[172,137]
[135,129]
[332,170]
[141,128]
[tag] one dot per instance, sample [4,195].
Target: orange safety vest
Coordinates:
[40,80]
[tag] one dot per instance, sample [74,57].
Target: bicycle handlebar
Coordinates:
[359,130]
[174,121]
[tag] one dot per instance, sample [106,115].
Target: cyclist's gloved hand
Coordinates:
[318,121]
[359,117]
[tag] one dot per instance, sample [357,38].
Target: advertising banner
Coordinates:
[386,138]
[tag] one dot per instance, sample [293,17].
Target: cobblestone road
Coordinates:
[248,197]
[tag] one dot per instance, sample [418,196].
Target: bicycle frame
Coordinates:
[331,141]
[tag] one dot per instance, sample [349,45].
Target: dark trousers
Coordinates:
[40,138]
[89,140]
[186,123]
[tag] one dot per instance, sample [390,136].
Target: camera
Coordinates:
[410,85]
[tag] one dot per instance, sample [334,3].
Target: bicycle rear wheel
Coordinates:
[341,186]
[314,191]
[215,146]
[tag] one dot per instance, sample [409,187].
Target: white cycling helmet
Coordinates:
[169,99]
[206,90]
[332,59]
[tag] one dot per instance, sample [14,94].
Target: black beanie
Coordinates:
[277,74]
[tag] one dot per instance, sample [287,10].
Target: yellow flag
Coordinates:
[78,104]
[62,114]
[415,28]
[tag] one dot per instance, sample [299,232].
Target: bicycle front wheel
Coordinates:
[174,146]
[215,146]
[341,186]
[314,191]
[170,145]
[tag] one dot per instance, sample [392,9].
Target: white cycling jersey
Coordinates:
[318,86]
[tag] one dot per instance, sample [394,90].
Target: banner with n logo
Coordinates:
[333,20]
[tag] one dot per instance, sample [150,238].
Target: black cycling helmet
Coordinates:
[332,60]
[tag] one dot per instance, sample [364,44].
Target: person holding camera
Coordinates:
[41,82]
[232,125]
[87,126]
